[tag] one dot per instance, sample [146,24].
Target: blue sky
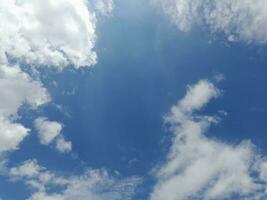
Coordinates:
[119,135]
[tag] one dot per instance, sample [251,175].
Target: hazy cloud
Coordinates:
[92,184]
[239,20]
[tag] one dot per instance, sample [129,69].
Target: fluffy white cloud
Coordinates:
[16,89]
[36,32]
[11,135]
[50,131]
[29,168]
[239,20]
[47,130]
[40,33]
[93,184]
[201,167]
[56,33]
[62,145]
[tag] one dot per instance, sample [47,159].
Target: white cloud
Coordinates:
[47,130]
[29,168]
[36,32]
[104,7]
[16,89]
[11,135]
[62,145]
[93,184]
[201,167]
[50,131]
[39,33]
[56,33]
[239,20]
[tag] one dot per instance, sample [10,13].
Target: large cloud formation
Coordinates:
[49,33]
[239,20]
[38,33]
[205,168]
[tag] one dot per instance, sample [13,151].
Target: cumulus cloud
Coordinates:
[16,88]
[47,130]
[62,145]
[56,33]
[92,184]
[239,20]
[38,33]
[29,168]
[50,131]
[205,168]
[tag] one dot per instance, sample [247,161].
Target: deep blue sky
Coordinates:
[144,65]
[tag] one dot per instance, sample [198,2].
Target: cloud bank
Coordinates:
[244,20]
[205,168]
[92,184]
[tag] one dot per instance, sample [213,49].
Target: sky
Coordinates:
[133,100]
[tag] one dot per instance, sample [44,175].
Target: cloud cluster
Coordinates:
[92,184]
[16,89]
[48,131]
[38,33]
[57,34]
[205,168]
[244,20]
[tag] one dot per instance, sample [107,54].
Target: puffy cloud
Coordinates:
[40,33]
[50,131]
[93,184]
[56,33]
[239,20]
[16,88]
[11,135]
[36,32]
[29,168]
[201,167]
[62,145]
[47,130]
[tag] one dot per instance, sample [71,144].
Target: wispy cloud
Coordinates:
[206,168]
[239,20]
[92,184]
